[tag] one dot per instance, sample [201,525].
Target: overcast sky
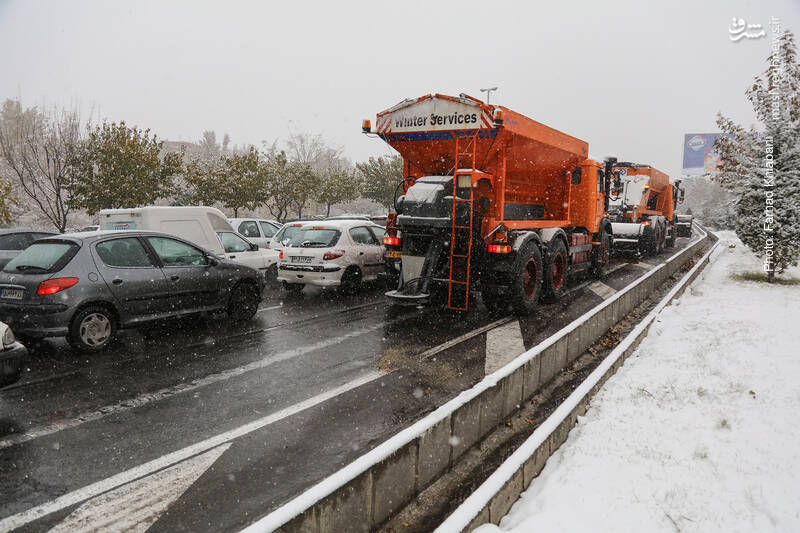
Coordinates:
[628,77]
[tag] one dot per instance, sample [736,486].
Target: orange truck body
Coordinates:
[525,162]
[494,201]
[643,209]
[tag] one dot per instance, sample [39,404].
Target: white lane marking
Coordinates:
[99,487]
[269,308]
[458,340]
[137,505]
[646,266]
[503,344]
[602,290]
[144,399]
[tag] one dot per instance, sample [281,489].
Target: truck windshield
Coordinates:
[422,192]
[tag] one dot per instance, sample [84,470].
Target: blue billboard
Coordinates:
[699,156]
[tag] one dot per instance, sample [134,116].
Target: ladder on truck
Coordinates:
[461,234]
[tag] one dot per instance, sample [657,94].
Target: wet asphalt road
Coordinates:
[310,384]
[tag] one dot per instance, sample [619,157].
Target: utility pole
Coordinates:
[488,92]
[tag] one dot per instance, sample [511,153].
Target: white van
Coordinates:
[205,226]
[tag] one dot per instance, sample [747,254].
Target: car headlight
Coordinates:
[8,337]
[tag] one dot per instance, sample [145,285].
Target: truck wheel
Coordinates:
[660,238]
[527,280]
[600,256]
[555,271]
[671,238]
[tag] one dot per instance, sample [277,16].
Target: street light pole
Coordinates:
[488,92]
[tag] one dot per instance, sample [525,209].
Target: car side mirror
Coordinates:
[212,261]
[253,247]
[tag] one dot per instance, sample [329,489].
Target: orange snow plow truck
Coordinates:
[492,201]
[642,210]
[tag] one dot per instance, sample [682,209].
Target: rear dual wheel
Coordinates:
[555,271]
[600,255]
[527,281]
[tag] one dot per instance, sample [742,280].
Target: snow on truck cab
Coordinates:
[491,201]
[204,226]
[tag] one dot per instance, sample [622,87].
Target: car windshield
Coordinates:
[42,257]
[315,238]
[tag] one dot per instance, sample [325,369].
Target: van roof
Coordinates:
[162,208]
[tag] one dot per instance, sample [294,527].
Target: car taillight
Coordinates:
[391,241]
[332,255]
[646,223]
[281,256]
[52,286]
[499,248]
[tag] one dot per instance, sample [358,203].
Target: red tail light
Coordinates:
[332,255]
[499,248]
[52,286]
[281,255]
[391,241]
[646,223]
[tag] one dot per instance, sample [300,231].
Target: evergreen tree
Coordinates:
[762,166]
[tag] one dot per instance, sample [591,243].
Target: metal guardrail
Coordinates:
[368,491]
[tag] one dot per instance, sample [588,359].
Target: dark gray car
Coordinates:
[84,286]
[14,241]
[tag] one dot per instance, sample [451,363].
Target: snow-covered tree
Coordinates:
[338,184]
[381,177]
[7,200]
[36,149]
[761,166]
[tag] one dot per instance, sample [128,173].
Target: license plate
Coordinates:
[12,294]
[300,259]
[394,254]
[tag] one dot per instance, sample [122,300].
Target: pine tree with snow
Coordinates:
[762,165]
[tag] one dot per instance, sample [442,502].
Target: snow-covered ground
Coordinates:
[698,431]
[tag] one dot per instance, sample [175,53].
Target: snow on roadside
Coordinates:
[698,431]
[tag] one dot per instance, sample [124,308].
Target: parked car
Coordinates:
[205,226]
[12,356]
[257,230]
[285,234]
[14,241]
[379,220]
[332,253]
[349,217]
[85,286]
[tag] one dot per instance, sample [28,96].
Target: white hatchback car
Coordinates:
[332,253]
[257,230]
